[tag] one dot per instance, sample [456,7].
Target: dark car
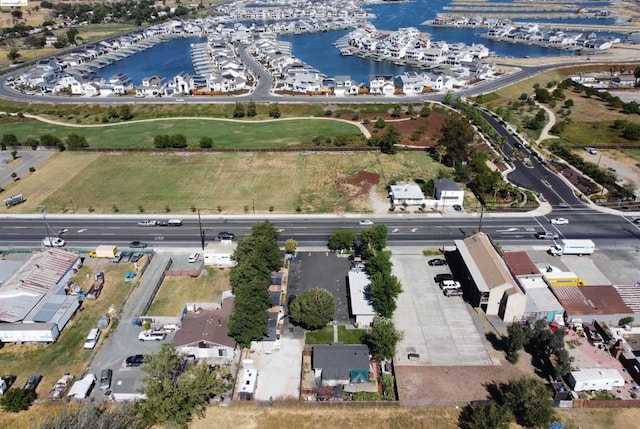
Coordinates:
[135,360]
[137,245]
[457,207]
[592,334]
[32,382]
[442,277]
[437,261]
[126,256]
[136,257]
[105,379]
[226,235]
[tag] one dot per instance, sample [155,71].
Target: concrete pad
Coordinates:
[586,269]
[438,328]
[279,372]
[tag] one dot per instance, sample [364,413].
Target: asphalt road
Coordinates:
[84,233]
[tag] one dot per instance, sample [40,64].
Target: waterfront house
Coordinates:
[381,84]
[120,83]
[344,85]
[410,83]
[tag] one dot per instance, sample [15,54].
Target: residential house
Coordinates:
[381,84]
[359,298]
[205,334]
[448,193]
[344,85]
[406,193]
[338,363]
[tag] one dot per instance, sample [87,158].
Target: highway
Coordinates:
[85,232]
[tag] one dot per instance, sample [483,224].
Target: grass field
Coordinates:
[175,292]
[245,134]
[67,353]
[325,335]
[141,183]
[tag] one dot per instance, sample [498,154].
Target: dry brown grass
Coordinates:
[228,180]
[176,291]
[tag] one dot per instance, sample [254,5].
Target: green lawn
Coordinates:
[325,335]
[225,134]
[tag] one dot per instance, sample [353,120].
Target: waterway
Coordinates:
[316,49]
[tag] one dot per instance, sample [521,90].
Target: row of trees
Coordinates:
[526,401]
[256,257]
[45,140]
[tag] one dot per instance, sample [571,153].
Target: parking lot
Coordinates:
[324,270]
[440,330]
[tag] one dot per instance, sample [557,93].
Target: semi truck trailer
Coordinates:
[572,247]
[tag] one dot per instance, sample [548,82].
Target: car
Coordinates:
[442,277]
[457,207]
[32,382]
[546,235]
[194,258]
[152,335]
[147,223]
[611,169]
[592,334]
[134,360]
[226,235]
[137,245]
[437,261]
[126,256]
[453,292]
[637,220]
[449,284]
[136,257]
[53,242]
[105,379]
[365,222]
[559,221]
[118,256]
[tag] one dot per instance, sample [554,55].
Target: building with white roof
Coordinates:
[406,193]
[359,300]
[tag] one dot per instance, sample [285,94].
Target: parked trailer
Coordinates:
[82,388]
[572,247]
[104,251]
[595,379]
[14,200]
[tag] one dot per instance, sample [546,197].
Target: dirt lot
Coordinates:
[626,168]
[428,128]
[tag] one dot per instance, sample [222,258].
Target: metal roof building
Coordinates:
[593,302]
[360,305]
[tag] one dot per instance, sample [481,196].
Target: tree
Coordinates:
[274,111]
[206,142]
[124,111]
[456,136]
[389,140]
[76,141]
[238,111]
[175,391]
[397,111]
[16,400]
[9,140]
[380,262]
[530,401]
[376,237]
[380,124]
[49,141]
[71,35]
[382,338]
[515,341]
[178,141]
[447,98]
[490,416]
[290,246]
[13,55]
[383,291]
[313,309]
[341,240]
[252,110]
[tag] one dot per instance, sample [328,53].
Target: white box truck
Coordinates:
[572,247]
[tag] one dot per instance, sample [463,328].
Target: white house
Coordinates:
[406,193]
[359,300]
[381,85]
[448,193]
[219,254]
[344,85]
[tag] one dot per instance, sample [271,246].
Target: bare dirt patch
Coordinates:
[428,127]
[357,188]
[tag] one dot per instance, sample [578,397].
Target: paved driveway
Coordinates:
[439,329]
[326,271]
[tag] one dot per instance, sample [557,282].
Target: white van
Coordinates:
[449,284]
[174,222]
[92,339]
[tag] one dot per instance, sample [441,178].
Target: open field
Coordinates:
[137,182]
[176,291]
[226,134]
[67,354]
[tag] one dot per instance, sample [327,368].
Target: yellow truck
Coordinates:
[104,251]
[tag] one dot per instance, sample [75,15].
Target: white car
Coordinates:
[365,222]
[53,242]
[559,221]
[194,258]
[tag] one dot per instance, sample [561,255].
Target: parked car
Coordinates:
[592,334]
[194,258]
[134,360]
[365,222]
[437,261]
[137,245]
[442,277]
[449,284]
[105,379]
[152,335]
[226,235]
[457,207]
[126,256]
[546,235]
[53,242]
[559,221]
[32,382]
[136,257]
[453,292]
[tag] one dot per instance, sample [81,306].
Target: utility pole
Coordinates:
[201,231]
[481,215]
